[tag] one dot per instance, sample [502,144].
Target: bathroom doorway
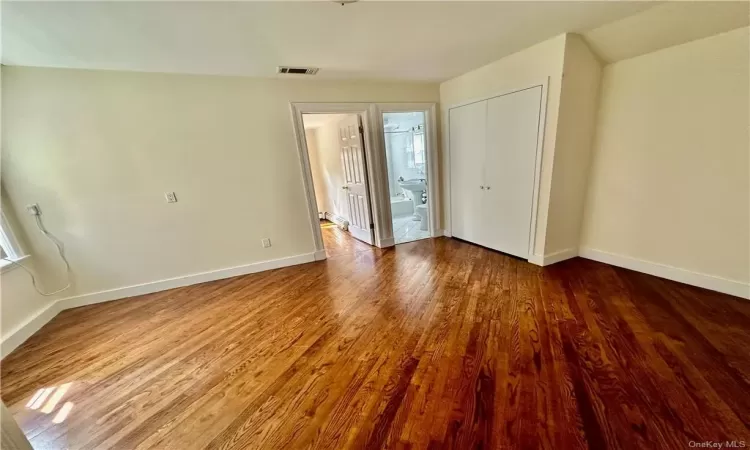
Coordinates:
[406,153]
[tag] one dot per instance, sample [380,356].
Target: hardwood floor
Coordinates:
[433,344]
[338,242]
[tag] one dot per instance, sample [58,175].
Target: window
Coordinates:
[9,247]
[419,159]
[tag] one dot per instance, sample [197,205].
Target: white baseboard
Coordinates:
[319,255]
[536,260]
[24,331]
[703,280]
[387,242]
[186,280]
[552,258]
[561,255]
[338,220]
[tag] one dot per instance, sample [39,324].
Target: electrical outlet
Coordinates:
[171,197]
[265,242]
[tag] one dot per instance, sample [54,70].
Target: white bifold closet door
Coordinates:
[468,131]
[512,130]
[493,154]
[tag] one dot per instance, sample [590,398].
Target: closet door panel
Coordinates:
[468,131]
[512,130]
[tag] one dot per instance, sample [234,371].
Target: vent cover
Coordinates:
[298,70]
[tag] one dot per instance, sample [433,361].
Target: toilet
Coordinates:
[422,211]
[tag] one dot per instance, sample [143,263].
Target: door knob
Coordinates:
[488,188]
[345,187]
[481,187]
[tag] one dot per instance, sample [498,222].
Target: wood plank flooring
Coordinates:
[433,344]
[338,242]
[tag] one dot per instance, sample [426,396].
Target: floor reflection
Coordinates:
[52,395]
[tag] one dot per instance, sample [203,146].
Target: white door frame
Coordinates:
[433,191]
[377,168]
[544,83]
[368,115]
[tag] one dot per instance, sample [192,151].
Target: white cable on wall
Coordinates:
[60,249]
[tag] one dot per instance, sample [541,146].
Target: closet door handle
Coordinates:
[488,188]
[481,187]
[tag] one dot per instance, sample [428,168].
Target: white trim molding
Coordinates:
[366,111]
[377,165]
[387,242]
[434,203]
[711,282]
[8,239]
[541,127]
[21,333]
[7,265]
[552,258]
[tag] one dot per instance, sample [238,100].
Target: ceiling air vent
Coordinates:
[298,70]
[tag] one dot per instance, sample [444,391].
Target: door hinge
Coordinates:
[361,130]
[372,226]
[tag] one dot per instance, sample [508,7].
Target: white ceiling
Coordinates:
[375,40]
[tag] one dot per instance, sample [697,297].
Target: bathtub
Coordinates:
[401,206]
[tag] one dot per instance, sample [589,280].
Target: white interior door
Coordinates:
[512,131]
[355,177]
[468,131]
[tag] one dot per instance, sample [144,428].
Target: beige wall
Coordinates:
[321,194]
[669,179]
[579,98]
[20,302]
[98,149]
[519,70]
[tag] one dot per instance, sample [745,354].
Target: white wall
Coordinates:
[669,181]
[396,145]
[327,168]
[20,302]
[321,191]
[520,70]
[98,149]
[579,102]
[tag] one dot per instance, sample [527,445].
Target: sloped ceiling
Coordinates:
[666,25]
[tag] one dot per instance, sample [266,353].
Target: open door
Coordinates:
[355,178]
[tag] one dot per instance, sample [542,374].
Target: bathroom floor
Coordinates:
[405,229]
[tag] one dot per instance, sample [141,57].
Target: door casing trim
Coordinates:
[377,169]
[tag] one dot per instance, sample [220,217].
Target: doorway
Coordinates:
[406,155]
[376,191]
[338,166]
